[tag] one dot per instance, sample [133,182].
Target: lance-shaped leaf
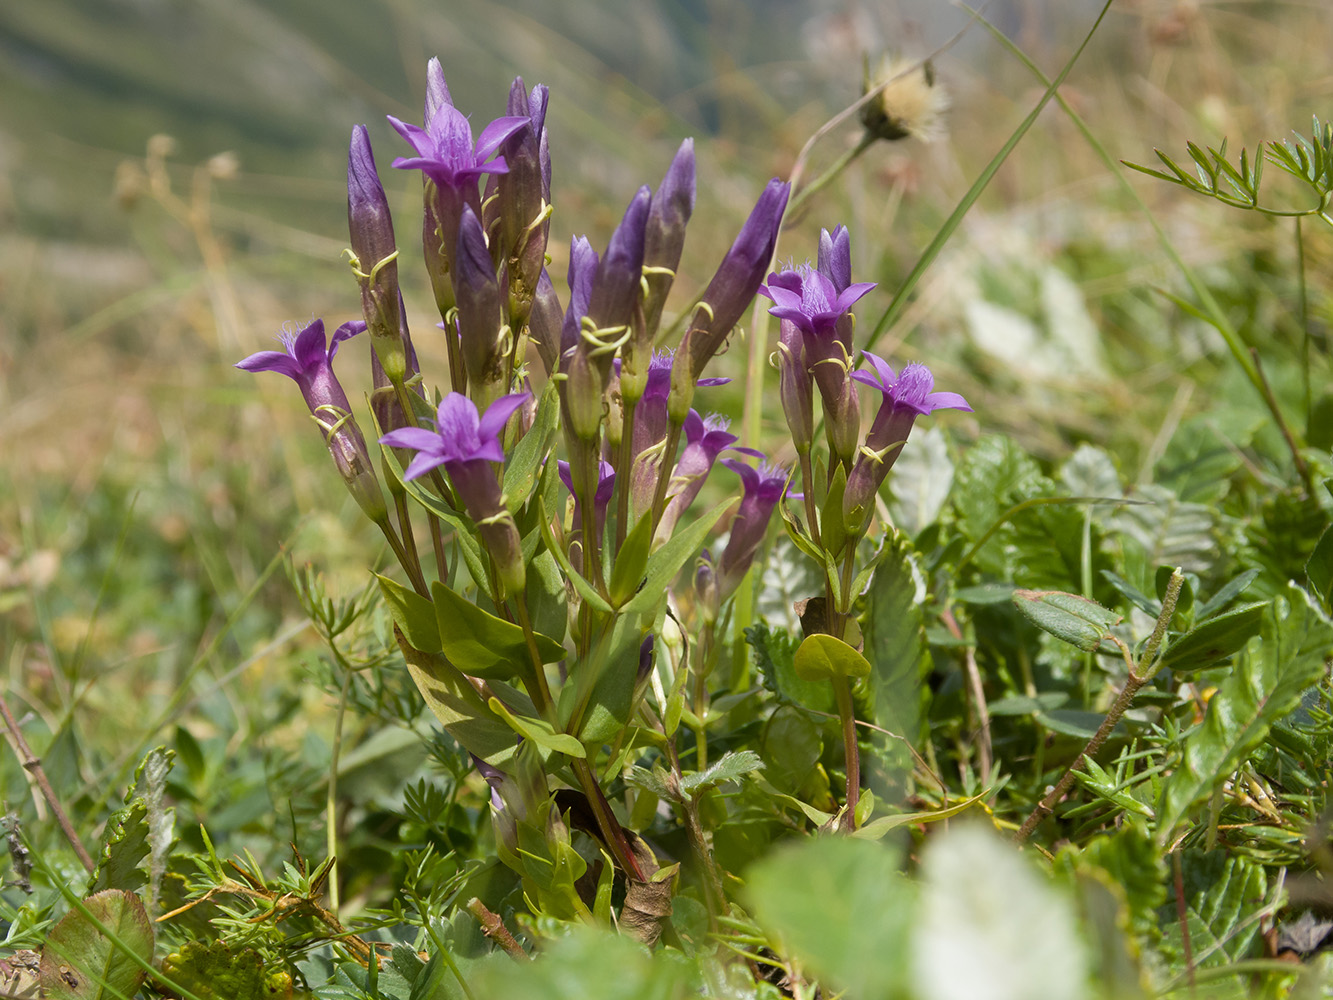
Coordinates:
[1079,621]
[81,961]
[1214,639]
[631,562]
[412,613]
[480,644]
[822,657]
[541,733]
[1267,682]
[529,456]
[458,705]
[666,562]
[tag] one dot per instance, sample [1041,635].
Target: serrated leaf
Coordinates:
[124,846]
[81,962]
[1077,620]
[730,766]
[774,653]
[1224,900]
[1169,531]
[482,645]
[895,641]
[1267,682]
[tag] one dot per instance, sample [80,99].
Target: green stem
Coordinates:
[331,799]
[828,176]
[842,691]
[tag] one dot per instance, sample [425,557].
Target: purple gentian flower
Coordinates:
[523,195]
[308,361]
[480,312]
[375,263]
[448,158]
[906,396]
[465,444]
[673,204]
[705,439]
[650,427]
[579,277]
[810,299]
[445,150]
[764,487]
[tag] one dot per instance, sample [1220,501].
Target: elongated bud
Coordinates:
[523,195]
[616,288]
[544,322]
[664,238]
[375,263]
[795,387]
[738,277]
[480,313]
[583,397]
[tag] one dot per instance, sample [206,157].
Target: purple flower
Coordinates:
[764,487]
[523,195]
[308,361]
[705,439]
[835,257]
[465,444]
[906,396]
[579,277]
[618,279]
[650,427]
[809,299]
[445,150]
[460,437]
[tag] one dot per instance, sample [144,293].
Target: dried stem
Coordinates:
[1138,676]
[33,765]
[493,926]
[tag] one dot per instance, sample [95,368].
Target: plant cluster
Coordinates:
[678,752]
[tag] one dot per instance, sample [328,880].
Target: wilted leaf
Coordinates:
[80,962]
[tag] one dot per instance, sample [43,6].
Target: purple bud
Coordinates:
[835,257]
[480,312]
[705,440]
[522,198]
[672,205]
[739,275]
[375,256]
[795,386]
[582,271]
[544,322]
[645,659]
[616,287]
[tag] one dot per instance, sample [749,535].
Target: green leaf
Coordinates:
[895,641]
[529,456]
[791,746]
[1224,903]
[981,896]
[589,964]
[631,561]
[605,680]
[458,706]
[1168,531]
[581,584]
[822,657]
[80,961]
[1267,682]
[666,562]
[540,732]
[1079,621]
[854,931]
[1214,640]
[548,602]
[876,829]
[731,766]
[124,846]
[482,645]
[832,527]
[412,613]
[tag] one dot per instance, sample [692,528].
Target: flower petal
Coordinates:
[947,401]
[417,438]
[498,414]
[493,135]
[272,361]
